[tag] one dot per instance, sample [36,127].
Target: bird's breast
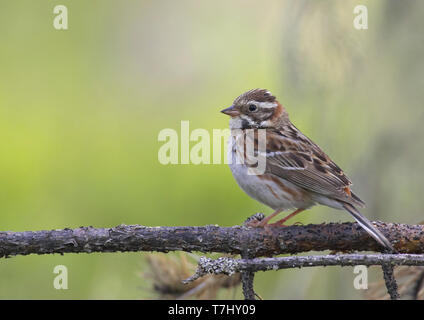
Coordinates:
[268,189]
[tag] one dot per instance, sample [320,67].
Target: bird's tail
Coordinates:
[368,226]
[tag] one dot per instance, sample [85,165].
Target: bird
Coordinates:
[297,175]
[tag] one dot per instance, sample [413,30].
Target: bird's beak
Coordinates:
[231,111]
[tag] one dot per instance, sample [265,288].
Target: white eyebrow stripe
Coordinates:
[267,105]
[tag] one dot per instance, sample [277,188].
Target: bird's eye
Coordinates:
[252,107]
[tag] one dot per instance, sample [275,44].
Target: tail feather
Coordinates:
[368,226]
[357,200]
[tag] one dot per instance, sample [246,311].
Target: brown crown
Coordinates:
[260,95]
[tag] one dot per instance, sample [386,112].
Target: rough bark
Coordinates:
[229,266]
[233,240]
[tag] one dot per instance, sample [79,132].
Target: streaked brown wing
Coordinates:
[294,157]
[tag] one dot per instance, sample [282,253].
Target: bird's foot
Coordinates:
[254,220]
[259,220]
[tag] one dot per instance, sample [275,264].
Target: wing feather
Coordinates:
[296,158]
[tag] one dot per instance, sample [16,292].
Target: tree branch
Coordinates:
[389,279]
[232,240]
[230,266]
[246,241]
[247,278]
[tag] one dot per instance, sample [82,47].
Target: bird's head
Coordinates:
[256,108]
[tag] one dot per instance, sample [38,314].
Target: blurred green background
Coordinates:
[81,109]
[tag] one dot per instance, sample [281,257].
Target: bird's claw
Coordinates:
[254,220]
